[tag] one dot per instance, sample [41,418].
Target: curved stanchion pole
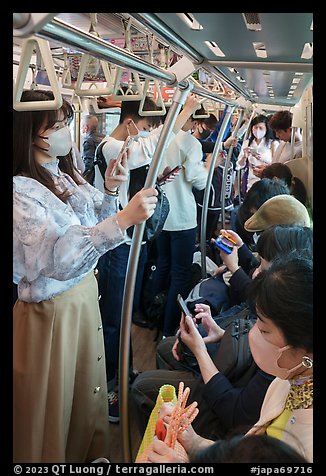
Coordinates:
[226,167]
[129,288]
[207,189]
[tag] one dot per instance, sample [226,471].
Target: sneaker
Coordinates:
[113,400]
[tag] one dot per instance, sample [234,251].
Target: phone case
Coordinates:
[175,169]
[222,246]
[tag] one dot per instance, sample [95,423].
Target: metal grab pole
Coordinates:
[129,288]
[293,131]
[58,30]
[69,35]
[207,190]
[226,167]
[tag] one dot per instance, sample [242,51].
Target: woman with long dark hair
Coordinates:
[61,226]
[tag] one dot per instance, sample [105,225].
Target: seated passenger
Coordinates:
[281,171]
[281,343]
[252,449]
[222,406]
[257,195]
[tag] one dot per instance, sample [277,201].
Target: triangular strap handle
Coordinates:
[45,52]
[81,73]
[159,101]
[66,75]
[201,116]
[129,95]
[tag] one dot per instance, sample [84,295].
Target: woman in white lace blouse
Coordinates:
[61,226]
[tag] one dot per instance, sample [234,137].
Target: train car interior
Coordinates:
[239,64]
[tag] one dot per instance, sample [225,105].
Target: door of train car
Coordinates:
[240,65]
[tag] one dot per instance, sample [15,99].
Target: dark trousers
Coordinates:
[112,268]
[173,269]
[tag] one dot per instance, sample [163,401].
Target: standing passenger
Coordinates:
[61,225]
[113,264]
[281,124]
[91,140]
[176,243]
[259,149]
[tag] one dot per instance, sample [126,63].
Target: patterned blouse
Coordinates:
[55,244]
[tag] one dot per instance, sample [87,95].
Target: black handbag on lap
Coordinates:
[231,355]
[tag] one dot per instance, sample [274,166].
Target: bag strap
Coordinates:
[100,159]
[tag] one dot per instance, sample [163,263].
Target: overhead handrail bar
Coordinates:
[203,224]
[198,89]
[20,19]
[58,30]
[73,37]
[265,65]
[226,167]
[26,54]
[85,60]
[129,94]
[27,24]
[128,293]
[159,101]
[151,22]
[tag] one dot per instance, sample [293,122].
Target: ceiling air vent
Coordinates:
[190,20]
[215,48]
[260,50]
[252,21]
[307,51]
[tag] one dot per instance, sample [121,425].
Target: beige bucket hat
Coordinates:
[278,210]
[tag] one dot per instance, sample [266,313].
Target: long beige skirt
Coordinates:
[60,391]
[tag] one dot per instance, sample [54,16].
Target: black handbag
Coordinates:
[154,224]
[231,355]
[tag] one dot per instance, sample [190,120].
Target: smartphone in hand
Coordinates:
[224,243]
[117,161]
[166,176]
[183,306]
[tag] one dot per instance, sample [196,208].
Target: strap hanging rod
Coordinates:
[71,36]
[62,32]
[152,23]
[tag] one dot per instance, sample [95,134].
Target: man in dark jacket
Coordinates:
[92,138]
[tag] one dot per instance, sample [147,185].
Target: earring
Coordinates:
[307,362]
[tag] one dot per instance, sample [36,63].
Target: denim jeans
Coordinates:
[173,270]
[112,268]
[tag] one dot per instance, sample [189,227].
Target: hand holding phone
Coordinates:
[123,149]
[163,179]
[224,243]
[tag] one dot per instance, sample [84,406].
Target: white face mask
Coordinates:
[60,142]
[139,133]
[143,134]
[259,134]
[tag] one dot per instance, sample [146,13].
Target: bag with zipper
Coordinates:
[231,355]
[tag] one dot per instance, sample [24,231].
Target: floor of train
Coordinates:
[144,349]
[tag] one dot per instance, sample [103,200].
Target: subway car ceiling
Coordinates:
[267,58]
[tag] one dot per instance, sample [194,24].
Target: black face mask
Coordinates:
[205,134]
